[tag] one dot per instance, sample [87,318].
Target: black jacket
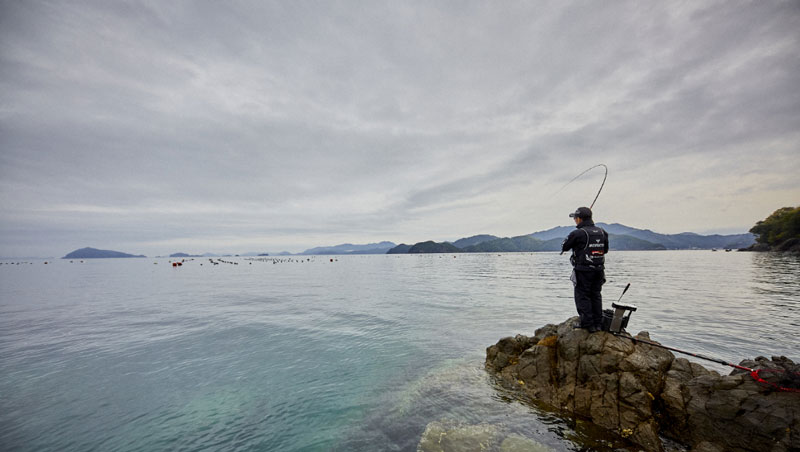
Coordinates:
[589,245]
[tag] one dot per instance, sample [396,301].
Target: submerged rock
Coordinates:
[447,436]
[641,392]
[439,437]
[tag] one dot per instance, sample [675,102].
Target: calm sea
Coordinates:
[358,354]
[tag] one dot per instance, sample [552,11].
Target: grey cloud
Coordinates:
[324,119]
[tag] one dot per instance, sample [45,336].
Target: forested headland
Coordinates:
[779,231]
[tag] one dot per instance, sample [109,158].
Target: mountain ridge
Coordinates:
[621,237]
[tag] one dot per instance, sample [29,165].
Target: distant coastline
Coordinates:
[622,238]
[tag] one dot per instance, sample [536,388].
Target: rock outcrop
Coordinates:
[790,245]
[641,392]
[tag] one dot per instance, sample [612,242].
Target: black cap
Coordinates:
[582,213]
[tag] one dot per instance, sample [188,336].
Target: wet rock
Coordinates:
[643,393]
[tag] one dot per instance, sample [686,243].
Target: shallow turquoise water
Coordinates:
[356,354]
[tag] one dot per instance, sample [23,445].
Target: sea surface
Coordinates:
[335,353]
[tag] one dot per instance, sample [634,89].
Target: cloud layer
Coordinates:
[212,126]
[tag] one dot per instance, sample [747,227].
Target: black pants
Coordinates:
[588,299]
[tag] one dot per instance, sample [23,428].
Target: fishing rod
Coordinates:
[696,355]
[790,378]
[617,332]
[623,292]
[605,176]
[619,320]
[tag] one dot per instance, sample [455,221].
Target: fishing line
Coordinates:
[581,174]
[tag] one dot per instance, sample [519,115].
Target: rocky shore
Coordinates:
[790,245]
[644,393]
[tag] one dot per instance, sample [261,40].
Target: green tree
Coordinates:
[782,225]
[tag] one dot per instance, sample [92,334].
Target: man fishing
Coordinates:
[589,245]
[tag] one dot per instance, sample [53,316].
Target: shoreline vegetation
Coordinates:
[778,232]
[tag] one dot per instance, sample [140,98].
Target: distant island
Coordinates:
[778,232]
[433,247]
[94,253]
[348,248]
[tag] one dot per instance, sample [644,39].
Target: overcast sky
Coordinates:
[157,127]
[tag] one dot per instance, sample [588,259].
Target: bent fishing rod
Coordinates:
[605,176]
